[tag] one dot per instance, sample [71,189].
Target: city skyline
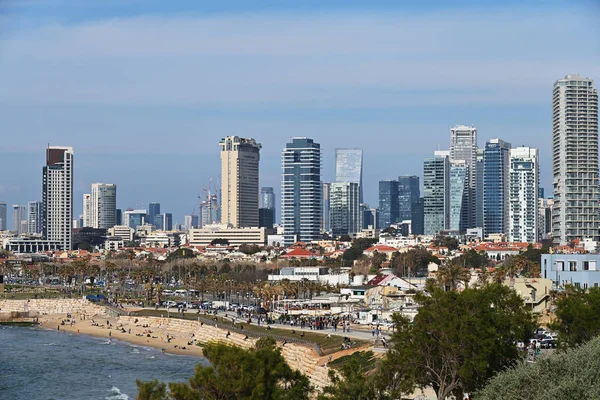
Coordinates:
[392,88]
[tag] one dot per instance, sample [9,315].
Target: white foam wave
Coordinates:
[116,394]
[50,344]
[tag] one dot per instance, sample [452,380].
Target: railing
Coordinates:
[115,311]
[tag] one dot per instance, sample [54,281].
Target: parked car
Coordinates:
[548,343]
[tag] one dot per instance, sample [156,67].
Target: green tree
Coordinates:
[457,341]
[446,241]
[236,373]
[577,316]
[354,382]
[451,274]
[356,250]
[151,390]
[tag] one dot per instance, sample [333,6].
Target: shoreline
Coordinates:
[157,339]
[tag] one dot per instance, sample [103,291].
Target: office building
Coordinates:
[167,221]
[388,203]
[240,159]
[134,218]
[575,160]
[124,232]
[19,215]
[209,210]
[326,208]
[345,214]
[57,196]
[266,218]
[436,193]
[349,167]
[479,190]
[103,206]
[34,217]
[459,207]
[496,185]
[408,193]
[463,147]
[191,221]
[524,192]
[417,218]
[370,217]
[87,211]
[154,214]
[267,198]
[3,216]
[301,191]
[119,214]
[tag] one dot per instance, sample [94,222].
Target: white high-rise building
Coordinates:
[57,196]
[34,217]
[575,160]
[19,215]
[463,147]
[345,212]
[87,210]
[103,205]
[348,167]
[240,158]
[523,195]
[436,193]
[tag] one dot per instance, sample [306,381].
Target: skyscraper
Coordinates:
[345,214]
[459,174]
[209,210]
[267,198]
[19,215]
[167,221]
[436,193]
[348,167]
[87,210]
[191,221]
[479,191]
[326,208]
[153,213]
[524,203]
[496,184]
[34,217]
[103,205]
[240,158]
[408,193]
[301,191]
[417,219]
[463,147]
[57,195]
[388,203]
[3,216]
[575,160]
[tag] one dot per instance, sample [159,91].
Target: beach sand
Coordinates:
[157,339]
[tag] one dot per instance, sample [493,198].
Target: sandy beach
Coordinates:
[111,328]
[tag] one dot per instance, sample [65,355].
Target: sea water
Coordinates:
[38,364]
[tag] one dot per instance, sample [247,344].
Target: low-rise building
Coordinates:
[234,236]
[580,270]
[122,231]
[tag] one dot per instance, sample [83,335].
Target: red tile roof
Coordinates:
[381,248]
[298,252]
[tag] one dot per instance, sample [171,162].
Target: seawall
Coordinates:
[52,306]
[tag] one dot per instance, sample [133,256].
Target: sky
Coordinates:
[144,90]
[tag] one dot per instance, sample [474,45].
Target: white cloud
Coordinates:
[300,60]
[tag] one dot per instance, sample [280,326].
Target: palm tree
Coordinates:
[451,274]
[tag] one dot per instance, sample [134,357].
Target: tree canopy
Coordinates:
[356,250]
[235,373]
[577,316]
[457,341]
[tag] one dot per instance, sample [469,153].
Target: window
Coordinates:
[560,265]
[572,266]
[586,265]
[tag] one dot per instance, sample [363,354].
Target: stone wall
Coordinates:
[300,357]
[53,306]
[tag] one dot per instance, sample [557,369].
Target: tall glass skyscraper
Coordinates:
[479,191]
[153,212]
[345,215]
[301,191]
[34,217]
[103,205]
[575,160]
[463,147]
[267,198]
[3,213]
[348,167]
[326,204]
[388,203]
[496,184]
[436,193]
[459,174]
[408,194]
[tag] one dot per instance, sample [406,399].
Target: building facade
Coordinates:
[579,270]
[240,159]
[463,147]
[459,192]
[153,213]
[191,221]
[87,210]
[326,208]
[301,191]
[388,203]
[57,196]
[103,205]
[235,236]
[345,214]
[19,215]
[3,216]
[267,198]
[34,217]
[408,194]
[479,190]
[135,218]
[349,167]
[523,195]
[209,211]
[436,193]
[417,223]
[496,184]
[575,160]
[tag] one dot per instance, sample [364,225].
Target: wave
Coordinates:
[50,344]
[117,394]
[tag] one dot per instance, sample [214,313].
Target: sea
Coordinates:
[37,364]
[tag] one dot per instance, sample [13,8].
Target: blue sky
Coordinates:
[144,90]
